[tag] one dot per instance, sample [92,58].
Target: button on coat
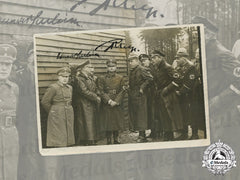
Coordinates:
[57,102]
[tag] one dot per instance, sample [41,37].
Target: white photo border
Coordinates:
[133,146]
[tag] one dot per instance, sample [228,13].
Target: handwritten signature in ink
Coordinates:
[116,43]
[150,10]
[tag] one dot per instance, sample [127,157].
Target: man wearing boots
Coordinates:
[57,101]
[139,80]
[162,76]
[187,77]
[197,101]
[112,91]
[86,104]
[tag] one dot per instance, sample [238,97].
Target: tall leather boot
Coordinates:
[194,134]
[115,137]
[183,136]
[109,137]
[142,137]
[168,136]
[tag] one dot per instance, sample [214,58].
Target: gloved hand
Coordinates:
[169,89]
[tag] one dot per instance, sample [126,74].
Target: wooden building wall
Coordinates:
[48,47]
[22,34]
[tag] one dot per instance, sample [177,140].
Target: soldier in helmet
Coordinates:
[9,146]
[112,91]
[139,80]
[187,75]
[57,101]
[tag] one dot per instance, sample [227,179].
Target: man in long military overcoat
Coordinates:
[112,91]
[57,101]
[162,76]
[197,101]
[139,80]
[187,76]
[9,145]
[85,105]
[172,104]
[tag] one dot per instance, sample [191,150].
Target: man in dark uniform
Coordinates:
[139,80]
[153,123]
[111,87]
[86,104]
[197,101]
[187,76]
[223,83]
[162,76]
[57,101]
[9,145]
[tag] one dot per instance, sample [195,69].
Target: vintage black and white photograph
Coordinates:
[121,90]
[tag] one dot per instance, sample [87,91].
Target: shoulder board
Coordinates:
[69,86]
[119,76]
[54,85]
[12,84]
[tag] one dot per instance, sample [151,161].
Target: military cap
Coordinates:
[80,66]
[8,53]
[157,52]
[132,56]
[111,62]
[142,56]
[207,23]
[64,71]
[182,52]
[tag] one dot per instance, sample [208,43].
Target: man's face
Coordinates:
[134,62]
[63,79]
[5,70]
[112,68]
[197,54]
[88,69]
[145,62]
[156,59]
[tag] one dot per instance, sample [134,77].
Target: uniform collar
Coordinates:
[60,84]
[111,74]
[133,69]
[86,76]
[7,82]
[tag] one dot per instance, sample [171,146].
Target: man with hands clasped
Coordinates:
[112,91]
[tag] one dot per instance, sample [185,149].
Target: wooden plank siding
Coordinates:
[112,18]
[48,46]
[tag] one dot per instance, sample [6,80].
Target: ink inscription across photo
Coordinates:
[121,90]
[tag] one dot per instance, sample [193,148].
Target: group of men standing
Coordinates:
[91,105]
[166,98]
[161,97]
